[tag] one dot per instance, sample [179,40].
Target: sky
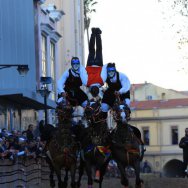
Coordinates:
[139,37]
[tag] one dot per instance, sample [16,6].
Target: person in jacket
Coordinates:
[29,133]
[69,84]
[118,84]
[184,145]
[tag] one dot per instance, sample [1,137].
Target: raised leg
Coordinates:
[91,56]
[99,56]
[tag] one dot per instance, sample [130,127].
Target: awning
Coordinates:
[26,100]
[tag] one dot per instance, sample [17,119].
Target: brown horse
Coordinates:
[94,145]
[62,148]
[125,145]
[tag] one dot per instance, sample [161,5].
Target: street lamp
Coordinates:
[45,93]
[22,69]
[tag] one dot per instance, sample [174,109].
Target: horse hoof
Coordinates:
[78,184]
[64,185]
[140,184]
[73,185]
[61,185]
[97,180]
[52,184]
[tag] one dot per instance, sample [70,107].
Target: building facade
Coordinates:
[161,116]
[34,33]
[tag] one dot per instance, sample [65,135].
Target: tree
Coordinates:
[175,16]
[88,9]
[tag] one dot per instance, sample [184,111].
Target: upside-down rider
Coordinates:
[118,85]
[96,72]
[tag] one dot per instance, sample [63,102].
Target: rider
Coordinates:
[96,74]
[68,85]
[118,84]
[184,145]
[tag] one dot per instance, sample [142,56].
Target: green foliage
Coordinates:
[88,9]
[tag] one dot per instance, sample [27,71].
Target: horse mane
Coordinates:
[46,132]
[41,126]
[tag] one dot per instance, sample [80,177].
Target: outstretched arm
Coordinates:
[61,82]
[126,85]
[104,73]
[83,75]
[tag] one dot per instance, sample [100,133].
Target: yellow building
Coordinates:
[162,116]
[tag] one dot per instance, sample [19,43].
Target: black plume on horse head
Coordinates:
[46,131]
[92,109]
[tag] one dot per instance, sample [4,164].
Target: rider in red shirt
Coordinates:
[96,73]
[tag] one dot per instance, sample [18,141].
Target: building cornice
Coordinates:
[158,118]
[49,30]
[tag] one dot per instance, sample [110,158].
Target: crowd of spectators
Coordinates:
[15,144]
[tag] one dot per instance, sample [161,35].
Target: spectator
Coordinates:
[146,167]
[29,132]
[184,145]
[36,132]
[4,132]
[2,149]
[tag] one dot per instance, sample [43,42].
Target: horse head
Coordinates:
[120,111]
[92,112]
[64,112]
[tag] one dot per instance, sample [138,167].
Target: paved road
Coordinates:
[149,183]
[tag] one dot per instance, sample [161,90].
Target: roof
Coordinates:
[159,104]
[136,86]
[26,99]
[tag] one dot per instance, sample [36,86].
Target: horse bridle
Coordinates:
[95,114]
[116,111]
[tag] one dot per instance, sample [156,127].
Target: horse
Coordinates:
[62,148]
[125,145]
[94,145]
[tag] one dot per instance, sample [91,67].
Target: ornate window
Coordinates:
[174,135]
[146,135]
[52,68]
[44,55]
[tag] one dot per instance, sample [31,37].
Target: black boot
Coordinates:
[93,29]
[98,31]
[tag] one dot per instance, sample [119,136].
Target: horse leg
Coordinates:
[58,173]
[66,178]
[80,171]
[124,179]
[139,182]
[52,181]
[102,172]
[73,172]
[89,174]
